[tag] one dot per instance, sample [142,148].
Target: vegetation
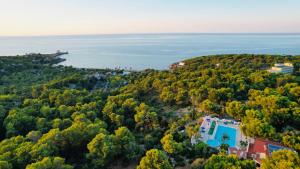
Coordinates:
[228,162]
[155,159]
[212,128]
[282,159]
[54,116]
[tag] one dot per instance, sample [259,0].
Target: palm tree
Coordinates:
[225,137]
[243,144]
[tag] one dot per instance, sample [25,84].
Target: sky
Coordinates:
[68,17]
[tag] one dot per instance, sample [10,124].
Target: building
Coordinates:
[213,129]
[240,153]
[260,149]
[181,64]
[177,65]
[286,68]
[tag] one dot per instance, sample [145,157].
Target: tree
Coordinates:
[145,118]
[119,108]
[151,141]
[225,137]
[292,139]
[155,159]
[235,109]
[198,95]
[224,94]
[50,163]
[170,145]
[65,111]
[47,112]
[282,159]
[18,123]
[192,130]
[224,147]
[57,123]
[15,151]
[167,95]
[208,107]
[202,150]
[295,92]
[5,165]
[228,162]
[129,146]
[253,125]
[47,145]
[181,97]
[2,117]
[34,136]
[2,113]
[243,144]
[42,124]
[101,149]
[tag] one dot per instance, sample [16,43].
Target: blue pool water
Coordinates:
[221,130]
[273,148]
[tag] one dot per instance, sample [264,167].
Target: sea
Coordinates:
[143,51]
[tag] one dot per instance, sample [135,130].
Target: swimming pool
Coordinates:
[223,130]
[273,148]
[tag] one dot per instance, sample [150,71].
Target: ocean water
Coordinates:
[141,51]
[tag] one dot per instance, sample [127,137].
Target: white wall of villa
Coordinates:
[282,68]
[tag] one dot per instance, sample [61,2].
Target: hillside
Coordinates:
[65,117]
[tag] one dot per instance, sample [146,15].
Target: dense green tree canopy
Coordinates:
[58,116]
[282,159]
[102,149]
[155,159]
[50,163]
[170,145]
[126,140]
[228,162]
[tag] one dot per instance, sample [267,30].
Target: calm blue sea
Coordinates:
[148,50]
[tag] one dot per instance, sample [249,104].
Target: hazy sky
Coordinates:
[58,17]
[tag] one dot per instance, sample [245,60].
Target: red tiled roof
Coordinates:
[260,146]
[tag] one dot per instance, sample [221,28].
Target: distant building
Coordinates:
[181,64]
[286,68]
[176,65]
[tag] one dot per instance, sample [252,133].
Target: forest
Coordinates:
[54,116]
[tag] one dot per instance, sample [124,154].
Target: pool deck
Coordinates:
[256,148]
[206,124]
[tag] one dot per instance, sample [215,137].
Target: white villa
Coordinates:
[177,65]
[212,135]
[282,68]
[212,131]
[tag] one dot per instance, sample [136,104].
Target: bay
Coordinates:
[141,51]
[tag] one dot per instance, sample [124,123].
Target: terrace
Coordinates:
[215,131]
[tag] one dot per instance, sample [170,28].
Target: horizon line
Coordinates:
[160,33]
